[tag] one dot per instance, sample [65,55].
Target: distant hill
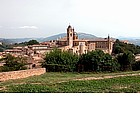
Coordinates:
[133,40]
[86,36]
[54,37]
[17,40]
[80,35]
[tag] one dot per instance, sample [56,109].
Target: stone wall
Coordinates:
[21,74]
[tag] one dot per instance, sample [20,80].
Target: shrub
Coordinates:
[126,60]
[136,65]
[97,61]
[60,61]
[13,63]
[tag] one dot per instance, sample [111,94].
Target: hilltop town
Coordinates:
[71,43]
[35,53]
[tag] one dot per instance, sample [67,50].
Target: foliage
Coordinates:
[97,61]
[4,47]
[126,60]
[13,63]
[1,48]
[118,50]
[60,61]
[121,47]
[136,65]
[32,42]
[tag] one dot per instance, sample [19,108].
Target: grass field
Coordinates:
[75,82]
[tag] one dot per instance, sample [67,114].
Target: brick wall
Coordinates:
[21,74]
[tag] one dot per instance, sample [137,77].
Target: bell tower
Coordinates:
[110,45]
[70,33]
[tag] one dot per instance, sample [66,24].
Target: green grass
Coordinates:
[65,83]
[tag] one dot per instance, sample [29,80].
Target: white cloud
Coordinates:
[0,26]
[28,27]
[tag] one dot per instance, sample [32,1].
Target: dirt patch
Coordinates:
[3,88]
[120,87]
[107,77]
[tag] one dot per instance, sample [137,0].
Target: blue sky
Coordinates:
[43,18]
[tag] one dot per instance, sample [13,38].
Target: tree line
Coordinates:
[122,59]
[121,47]
[95,61]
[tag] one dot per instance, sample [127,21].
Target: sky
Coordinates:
[43,18]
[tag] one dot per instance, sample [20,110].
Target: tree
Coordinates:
[32,42]
[121,47]
[1,48]
[97,61]
[118,50]
[126,60]
[60,61]
[136,65]
[109,64]
[13,63]
[91,60]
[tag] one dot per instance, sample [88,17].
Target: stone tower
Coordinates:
[70,33]
[110,45]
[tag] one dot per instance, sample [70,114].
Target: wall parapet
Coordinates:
[21,74]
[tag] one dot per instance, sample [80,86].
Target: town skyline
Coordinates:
[34,18]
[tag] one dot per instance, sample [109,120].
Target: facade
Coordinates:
[80,46]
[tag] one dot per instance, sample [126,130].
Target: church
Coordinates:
[72,44]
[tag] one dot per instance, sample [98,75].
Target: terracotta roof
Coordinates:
[39,46]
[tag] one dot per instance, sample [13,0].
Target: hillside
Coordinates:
[17,40]
[133,40]
[80,35]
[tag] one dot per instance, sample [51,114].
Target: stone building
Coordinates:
[70,43]
[80,46]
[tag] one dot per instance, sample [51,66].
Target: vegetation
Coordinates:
[126,60]
[4,47]
[124,54]
[13,63]
[97,61]
[75,82]
[60,61]
[136,66]
[32,42]
[120,47]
